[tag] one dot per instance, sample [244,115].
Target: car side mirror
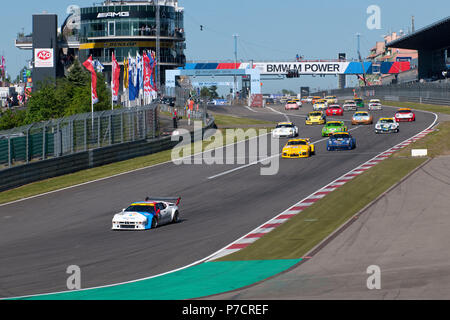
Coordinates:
[123,210]
[158,211]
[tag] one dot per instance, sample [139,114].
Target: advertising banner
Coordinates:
[44,58]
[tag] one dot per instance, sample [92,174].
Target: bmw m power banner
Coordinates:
[89,65]
[115,79]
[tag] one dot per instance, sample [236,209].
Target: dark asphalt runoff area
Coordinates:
[41,237]
[405,234]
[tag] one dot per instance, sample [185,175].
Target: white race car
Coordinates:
[148,214]
[375,104]
[375,107]
[350,105]
[285,130]
[387,125]
[320,105]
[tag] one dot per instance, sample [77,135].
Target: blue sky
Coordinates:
[268,30]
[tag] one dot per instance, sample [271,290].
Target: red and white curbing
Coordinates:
[305,203]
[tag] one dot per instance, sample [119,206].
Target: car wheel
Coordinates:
[154,223]
[176,217]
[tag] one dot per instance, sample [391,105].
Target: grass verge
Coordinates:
[225,120]
[418,106]
[437,142]
[106,171]
[299,235]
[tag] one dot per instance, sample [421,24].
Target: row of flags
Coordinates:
[138,77]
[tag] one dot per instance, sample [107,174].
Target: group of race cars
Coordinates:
[154,212]
[337,131]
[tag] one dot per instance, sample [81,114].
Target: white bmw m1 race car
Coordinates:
[148,214]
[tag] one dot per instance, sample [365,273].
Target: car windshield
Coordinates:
[351,103]
[404,111]
[334,124]
[315,114]
[387,121]
[340,136]
[334,107]
[284,126]
[361,115]
[140,208]
[297,143]
[358,100]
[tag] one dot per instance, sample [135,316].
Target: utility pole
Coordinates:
[235,63]
[158,46]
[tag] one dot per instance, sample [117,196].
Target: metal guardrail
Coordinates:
[429,92]
[41,170]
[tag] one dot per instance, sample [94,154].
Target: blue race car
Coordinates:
[148,214]
[341,141]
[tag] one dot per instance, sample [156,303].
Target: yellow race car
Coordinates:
[316,117]
[331,100]
[298,148]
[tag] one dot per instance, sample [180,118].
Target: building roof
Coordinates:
[432,37]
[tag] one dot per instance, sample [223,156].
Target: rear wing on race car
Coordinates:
[156,199]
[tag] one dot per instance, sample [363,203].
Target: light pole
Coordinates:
[235,63]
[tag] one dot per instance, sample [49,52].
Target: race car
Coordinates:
[375,104]
[316,117]
[333,127]
[387,125]
[315,99]
[334,110]
[285,130]
[309,99]
[350,105]
[362,117]
[299,102]
[342,140]
[148,214]
[331,100]
[298,148]
[320,105]
[359,102]
[291,105]
[405,115]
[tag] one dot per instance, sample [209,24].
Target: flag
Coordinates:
[89,64]
[125,75]
[98,66]
[155,61]
[132,81]
[139,76]
[147,76]
[115,79]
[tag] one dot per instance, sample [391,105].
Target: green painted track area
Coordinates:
[199,281]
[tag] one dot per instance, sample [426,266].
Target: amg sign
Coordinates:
[102,15]
[303,67]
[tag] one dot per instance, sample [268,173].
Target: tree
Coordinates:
[10,119]
[213,92]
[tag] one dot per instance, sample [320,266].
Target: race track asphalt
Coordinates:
[41,237]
